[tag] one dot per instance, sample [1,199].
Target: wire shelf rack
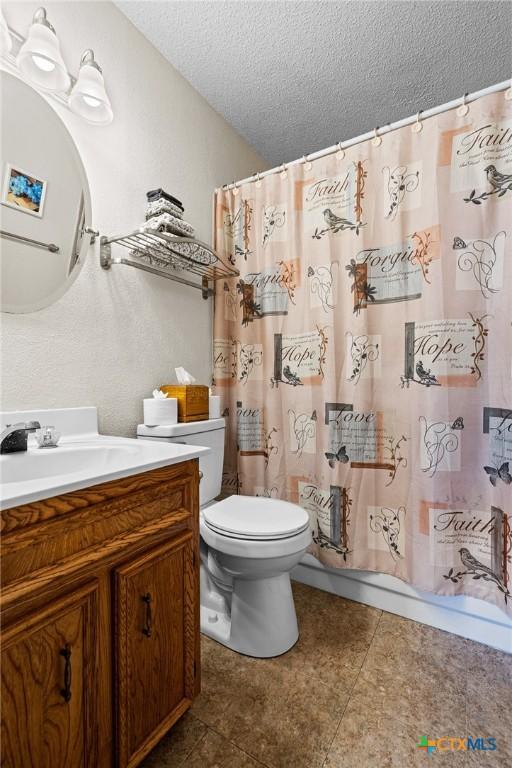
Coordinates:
[167,255]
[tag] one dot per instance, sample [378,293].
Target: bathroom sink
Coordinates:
[82,458]
[68,459]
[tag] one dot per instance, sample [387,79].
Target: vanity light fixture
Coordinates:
[88,97]
[39,58]
[5,35]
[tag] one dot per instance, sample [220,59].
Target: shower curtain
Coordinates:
[364,353]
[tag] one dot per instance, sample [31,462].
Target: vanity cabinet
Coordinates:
[100,620]
[48,682]
[154,597]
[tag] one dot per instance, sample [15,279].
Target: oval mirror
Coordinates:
[45,201]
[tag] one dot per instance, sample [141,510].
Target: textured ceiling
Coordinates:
[294,77]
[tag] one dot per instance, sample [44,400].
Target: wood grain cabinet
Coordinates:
[154,644]
[48,682]
[100,621]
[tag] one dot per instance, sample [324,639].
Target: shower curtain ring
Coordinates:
[418,125]
[340,154]
[307,163]
[258,180]
[284,172]
[234,191]
[463,109]
[377,140]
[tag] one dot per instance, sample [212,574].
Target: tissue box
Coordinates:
[192,400]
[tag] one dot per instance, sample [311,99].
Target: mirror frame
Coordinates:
[87,238]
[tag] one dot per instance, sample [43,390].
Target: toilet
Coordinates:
[249,545]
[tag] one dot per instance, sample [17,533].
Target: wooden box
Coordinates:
[193,403]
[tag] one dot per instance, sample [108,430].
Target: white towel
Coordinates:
[163,206]
[167,223]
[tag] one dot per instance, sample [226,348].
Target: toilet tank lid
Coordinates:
[182,429]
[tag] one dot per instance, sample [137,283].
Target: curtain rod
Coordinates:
[466,99]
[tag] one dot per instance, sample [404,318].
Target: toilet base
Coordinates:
[263,622]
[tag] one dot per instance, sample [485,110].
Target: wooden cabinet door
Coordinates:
[49,684]
[155,645]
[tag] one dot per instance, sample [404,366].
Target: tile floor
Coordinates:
[357,691]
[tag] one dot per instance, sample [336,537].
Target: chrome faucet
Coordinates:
[14,437]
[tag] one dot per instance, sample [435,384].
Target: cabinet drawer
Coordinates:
[49,685]
[155,638]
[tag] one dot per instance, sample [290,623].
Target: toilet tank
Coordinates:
[208,433]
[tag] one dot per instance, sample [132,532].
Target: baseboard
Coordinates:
[464,616]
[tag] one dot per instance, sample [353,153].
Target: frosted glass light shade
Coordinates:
[88,97]
[40,60]
[5,35]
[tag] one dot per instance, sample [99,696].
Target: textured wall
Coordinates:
[115,335]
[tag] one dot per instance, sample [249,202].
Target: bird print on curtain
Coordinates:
[364,352]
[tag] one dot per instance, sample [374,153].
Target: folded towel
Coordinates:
[161,205]
[167,223]
[154,194]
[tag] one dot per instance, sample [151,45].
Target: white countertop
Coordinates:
[79,460]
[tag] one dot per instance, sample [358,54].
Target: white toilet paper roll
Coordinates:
[214,407]
[160,411]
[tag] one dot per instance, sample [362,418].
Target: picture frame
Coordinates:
[24,191]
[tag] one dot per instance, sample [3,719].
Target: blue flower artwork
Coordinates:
[23,191]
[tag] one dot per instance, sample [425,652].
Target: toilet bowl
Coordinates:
[248,547]
[255,543]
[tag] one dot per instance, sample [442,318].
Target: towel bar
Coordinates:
[30,241]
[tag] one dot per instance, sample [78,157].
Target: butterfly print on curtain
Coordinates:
[499,473]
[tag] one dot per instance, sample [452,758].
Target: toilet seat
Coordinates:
[253,518]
